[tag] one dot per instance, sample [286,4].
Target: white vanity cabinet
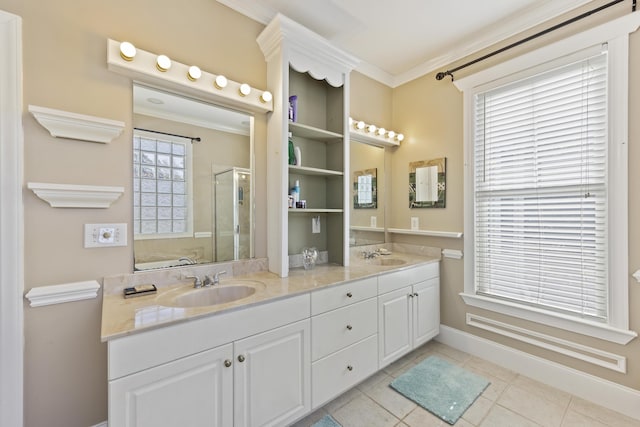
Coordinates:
[243,368]
[408,310]
[344,336]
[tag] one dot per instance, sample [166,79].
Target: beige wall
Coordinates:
[64,51]
[430,113]
[64,46]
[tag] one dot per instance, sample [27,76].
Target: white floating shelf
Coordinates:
[431,233]
[76,196]
[311,210]
[63,124]
[367,138]
[310,132]
[305,170]
[363,228]
[58,294]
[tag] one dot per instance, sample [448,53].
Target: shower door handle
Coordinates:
[238,229]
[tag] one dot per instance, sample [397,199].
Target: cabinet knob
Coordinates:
[349,294]
[241,358]
[349,367]
[410,295]
[227,363]
[349,327]
[415,294]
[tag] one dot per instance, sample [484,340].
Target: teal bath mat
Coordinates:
[327,421]
[441,388]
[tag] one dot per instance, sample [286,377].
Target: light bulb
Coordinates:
[400,137]
[163,63]
[266,97]
[381,131]
[360,125]
[371,128]
[245,89]
[127,51]
[220,82]
[194,73]
[391,134]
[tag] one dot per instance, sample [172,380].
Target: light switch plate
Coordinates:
[415,223]
[374,222]
[315,224]
[105,235]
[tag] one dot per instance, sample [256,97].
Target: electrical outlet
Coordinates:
[315,224]
[374,222]
[105,235]
[415,223]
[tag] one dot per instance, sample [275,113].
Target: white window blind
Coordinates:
[540,190]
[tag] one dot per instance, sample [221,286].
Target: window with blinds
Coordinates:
[540,174]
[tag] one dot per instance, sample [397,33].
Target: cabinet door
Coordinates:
[192,392]
[426,313]
[394,325]
[272,376]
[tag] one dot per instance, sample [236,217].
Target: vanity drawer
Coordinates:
[342,370]
[409,276]
[340,328]
[342,295]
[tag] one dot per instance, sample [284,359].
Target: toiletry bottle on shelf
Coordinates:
[295,192]
[293,108]
[292,154]
[298,156]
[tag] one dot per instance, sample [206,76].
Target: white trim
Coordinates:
[615,34]
[589,387]
[558,320]
[585,353]
[76,196]
[63,124]
[431,233]
[11,223]
[452,253]
[378,141]
[58,294]
[102,424]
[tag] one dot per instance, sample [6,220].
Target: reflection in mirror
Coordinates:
[367,215]
[192,184]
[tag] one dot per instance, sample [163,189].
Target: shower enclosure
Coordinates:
[233,212]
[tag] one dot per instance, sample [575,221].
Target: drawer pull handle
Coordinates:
[349,367]
[227,363]
[349,294]
[349,327]
[241,358]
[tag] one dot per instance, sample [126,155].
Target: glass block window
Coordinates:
[161,175]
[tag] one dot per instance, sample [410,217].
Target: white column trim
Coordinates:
[586,386]
[58,294]
[11,222]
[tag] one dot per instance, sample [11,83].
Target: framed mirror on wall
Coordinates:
[192,184]
[427,183]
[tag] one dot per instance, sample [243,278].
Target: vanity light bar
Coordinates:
[370,133]
[151,68]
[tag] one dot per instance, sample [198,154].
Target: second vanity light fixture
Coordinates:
[369,133]
[125,58]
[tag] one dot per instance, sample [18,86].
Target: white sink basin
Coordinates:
[227,291]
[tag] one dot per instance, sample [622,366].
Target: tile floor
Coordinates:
[512,400]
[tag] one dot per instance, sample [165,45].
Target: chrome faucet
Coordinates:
[187,260]
[196,281]
[216,277]
[370,254]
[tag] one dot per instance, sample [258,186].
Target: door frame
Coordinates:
[11,223]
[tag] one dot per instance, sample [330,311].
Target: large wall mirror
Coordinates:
[367,194]
[193,181]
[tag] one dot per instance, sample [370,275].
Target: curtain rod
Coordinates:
[442,74]
[193,139]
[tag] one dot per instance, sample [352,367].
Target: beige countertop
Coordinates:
[121,317]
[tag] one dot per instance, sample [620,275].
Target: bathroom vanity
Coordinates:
[271,358]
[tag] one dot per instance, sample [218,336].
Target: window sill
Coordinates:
[556,320]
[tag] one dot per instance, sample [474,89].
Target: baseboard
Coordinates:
[102,424]
[586,386]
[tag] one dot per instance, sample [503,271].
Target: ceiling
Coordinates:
[400,40]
